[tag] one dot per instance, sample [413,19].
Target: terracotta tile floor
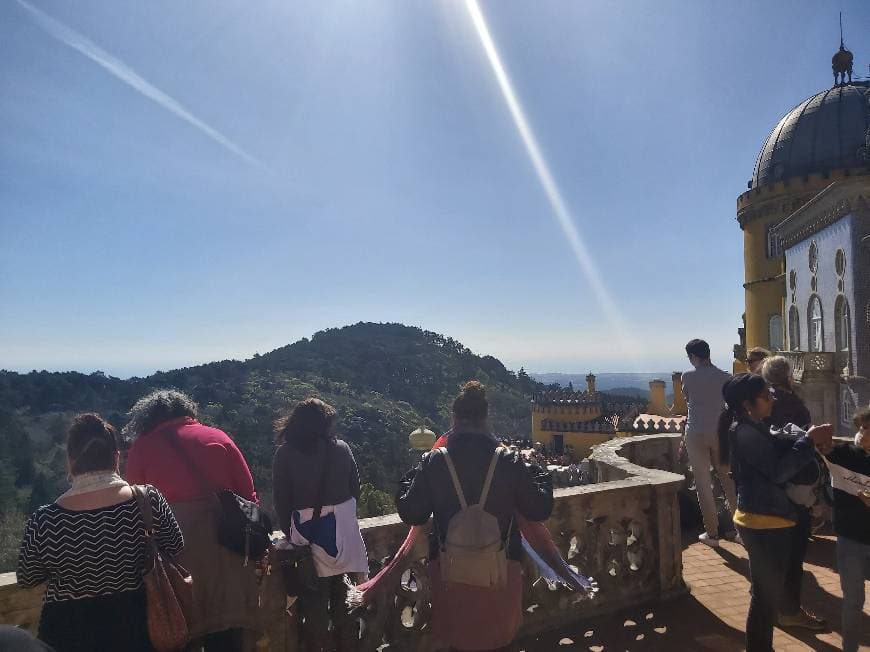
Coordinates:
[713,616]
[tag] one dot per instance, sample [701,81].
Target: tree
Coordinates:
[374,502]
[40,494]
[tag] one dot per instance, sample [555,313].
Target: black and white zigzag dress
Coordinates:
[93,560]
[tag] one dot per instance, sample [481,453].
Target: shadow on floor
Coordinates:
[825,605]
[822,551]
[734,562]
[681,625]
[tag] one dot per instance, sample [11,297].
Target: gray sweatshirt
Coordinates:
[702,389]
[296,478]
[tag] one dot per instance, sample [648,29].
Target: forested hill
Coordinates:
[384,379]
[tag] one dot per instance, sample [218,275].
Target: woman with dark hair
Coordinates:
[765,517]
[189,462]
[315,486]
[789,408]
[90,548]
[474,486]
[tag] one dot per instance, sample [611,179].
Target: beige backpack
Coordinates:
[473,552]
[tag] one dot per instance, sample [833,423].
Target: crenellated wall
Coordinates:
[624,531]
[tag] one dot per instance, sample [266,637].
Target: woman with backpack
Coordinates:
[475,488]
[765,517]
[789,408]
[315,485]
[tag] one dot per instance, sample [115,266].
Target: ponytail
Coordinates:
[726,420]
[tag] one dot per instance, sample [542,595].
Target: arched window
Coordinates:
[774,332]
[774,244]
[847,408]
[794,329]
[816,334]
[842,324]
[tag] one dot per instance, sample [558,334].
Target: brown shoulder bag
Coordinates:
[168,587]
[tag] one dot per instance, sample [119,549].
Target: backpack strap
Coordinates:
[456,484]
[484,494]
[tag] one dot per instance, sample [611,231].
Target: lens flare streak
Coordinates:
[545,177]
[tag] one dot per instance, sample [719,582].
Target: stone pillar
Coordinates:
[657,403]
[679,407]
[819,386]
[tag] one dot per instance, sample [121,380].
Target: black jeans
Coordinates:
[769,557]
[794,574]
[324,605]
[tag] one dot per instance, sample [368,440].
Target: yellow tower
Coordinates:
[818,142]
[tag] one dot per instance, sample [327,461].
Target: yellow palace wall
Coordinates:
[581,442]
[764,285]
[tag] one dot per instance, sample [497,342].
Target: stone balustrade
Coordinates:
[816,363]
[624,531]
[819,374]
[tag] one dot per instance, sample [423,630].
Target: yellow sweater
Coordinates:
[761,521]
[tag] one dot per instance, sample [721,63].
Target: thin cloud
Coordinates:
[122,71]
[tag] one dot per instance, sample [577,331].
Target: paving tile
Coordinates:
[713,617]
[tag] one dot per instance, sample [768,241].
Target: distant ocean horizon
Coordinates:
[606,381]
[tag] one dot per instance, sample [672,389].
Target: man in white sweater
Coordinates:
[702,388]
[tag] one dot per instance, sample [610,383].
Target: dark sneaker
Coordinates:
[803,619]
[733,537]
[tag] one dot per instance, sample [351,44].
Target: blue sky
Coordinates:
[185,182]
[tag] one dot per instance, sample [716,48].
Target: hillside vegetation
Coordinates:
[384,379]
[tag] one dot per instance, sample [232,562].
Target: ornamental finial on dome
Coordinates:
[841,62]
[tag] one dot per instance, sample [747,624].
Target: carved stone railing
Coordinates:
[804,364]
[624,531]
[818,375]
[843,364]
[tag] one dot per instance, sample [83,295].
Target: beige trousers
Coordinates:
[703,450]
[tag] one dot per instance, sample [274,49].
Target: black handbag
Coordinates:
[298,570]
[297,562]
[243,527]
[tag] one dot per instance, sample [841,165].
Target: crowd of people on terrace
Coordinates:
[486,501]
[565,469]
[778,471]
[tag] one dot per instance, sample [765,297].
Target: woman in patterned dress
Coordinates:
[89,547]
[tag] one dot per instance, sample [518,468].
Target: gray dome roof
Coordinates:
[820,134]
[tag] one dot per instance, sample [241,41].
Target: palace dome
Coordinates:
[821,134]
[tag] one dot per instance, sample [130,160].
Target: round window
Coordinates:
[840,262]
[814,257]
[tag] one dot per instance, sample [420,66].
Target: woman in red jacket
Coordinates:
[188,462]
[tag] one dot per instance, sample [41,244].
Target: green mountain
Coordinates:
[384,379]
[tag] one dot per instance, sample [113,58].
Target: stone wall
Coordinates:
[623,531]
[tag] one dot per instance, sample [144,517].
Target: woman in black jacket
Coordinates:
[765,517]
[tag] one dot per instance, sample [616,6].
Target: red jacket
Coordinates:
[218,463]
